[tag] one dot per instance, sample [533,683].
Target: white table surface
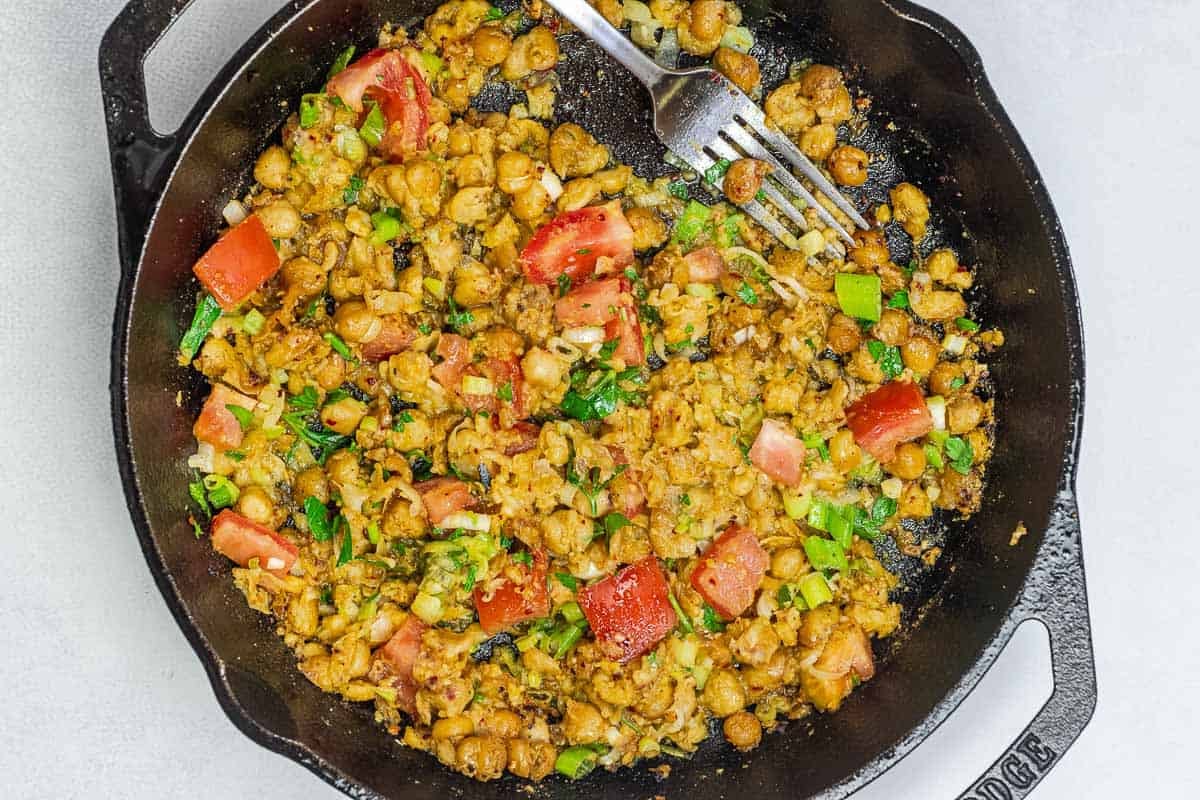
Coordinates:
[101,696]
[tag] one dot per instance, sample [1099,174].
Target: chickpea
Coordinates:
[787,564]
[255,504]
[470,205]
[943,376]
[491,45]
[473,170]
[424,179]
[273,167]
[578,193]
[582,724]
[818,141]
[743,730]
[938,304]
[864,366]
[914,502]
[614,180]
[354,322]
[908,463]
[482,757]
[668,12]
[575,152]
[311,483]
[453,728]
[302,278]
[844,452]
[531,760]
[871,250]
[910,207]
[723,693]
[744,179]
[740,68]
[530,203]
[504,723]
[964,413]
[458,140]
[941,264]
[542,368]
[844,335]
[920,353]
[281,220]
[514,172]
[534,52]
[791,112]
[892,327]
[649,230]
[701,27]
[849,165]
[824,88]
[344,415]
[612,11]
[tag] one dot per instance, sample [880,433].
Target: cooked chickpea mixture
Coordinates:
[555,465]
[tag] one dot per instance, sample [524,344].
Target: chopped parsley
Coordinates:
[494,13]
[591,484]
[712,623]
[717,171]
[960,453]
[350,195]
[310,110]
[958,382]
[339,346]
[244,417]
[747,294]
[402,419]
[614,521]
[523,557]
[425,328]
[678,189]
[966,325]
[320,523]
[888,357]
[457,318]
[899,300]
[597,401]
[505,392]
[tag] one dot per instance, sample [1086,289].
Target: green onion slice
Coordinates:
[859,296]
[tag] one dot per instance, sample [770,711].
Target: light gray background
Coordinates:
[100,694]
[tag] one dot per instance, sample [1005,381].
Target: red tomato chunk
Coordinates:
[627,328]
[443,497]
[704,265]
[216,424]
[571,243]
[240,539]
[394,337]
[519,594]
[400,653]
[629,612]
[779,453]
[891,415]
[730,571]
[403,97]
[238,264]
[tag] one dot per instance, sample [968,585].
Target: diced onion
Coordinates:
[892,488]
[812,243]
[742,336]
[937,410]
[584,336]
[427,607]
[274,563]
[736,37]
[564,350]
[667,53]
[551,184]
[644,34]
[650,199]
[467,520]
[234,213]
[934,491]
[954,344]
[203,458]
[704,291]
[473,384]
[435,287]
[353,496]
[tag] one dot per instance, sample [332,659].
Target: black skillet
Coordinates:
[951,137]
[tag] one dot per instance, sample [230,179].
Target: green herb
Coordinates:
[899,300]
[859,296]
[685,499]
[633,726]
[678,189]
[760,196]
[913,266]
[607,349]
[591,486]
[320,523]
[253,322]
[373,532]
[222,492]
[601,399]
[685,624]
[747,294]
[494,13]
[196,492]
[825,554]
[469,581]
[310,110]
[457,319]
[694,219]
[841,526]
[425,328]
[506,542]
[712,622]
[967,325]
[934,456]
[373,127]
[342,61]
[717,171]
[576,762]
[244,417]
[683,344]
[207,312]
[813,441]
[564,284]
[883,509]
[784,596]
[350,195]
[339,347]
[307,400]
[868,524]
[387,227]
[614,521]
[728,233]
[523,557]
[568,580]
[402,419]
[346,553]
[888,357]
[196,529]
[320,439]
[505,392]
[235,455]
[958,382]
[960,453]
[316,304]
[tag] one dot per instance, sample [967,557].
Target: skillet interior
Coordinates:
[947,142]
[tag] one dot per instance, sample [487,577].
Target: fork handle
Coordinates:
[589,21]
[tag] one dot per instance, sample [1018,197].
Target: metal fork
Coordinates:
[703,118]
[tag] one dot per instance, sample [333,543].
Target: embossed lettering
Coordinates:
[993,789]
[1037,752]
[1017,772]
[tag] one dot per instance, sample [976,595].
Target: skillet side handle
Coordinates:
[141,156]
[1055,594]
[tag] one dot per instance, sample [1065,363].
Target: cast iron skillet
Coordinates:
[953,139]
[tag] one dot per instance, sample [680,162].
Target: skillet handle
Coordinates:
[1055,594]
[141,156]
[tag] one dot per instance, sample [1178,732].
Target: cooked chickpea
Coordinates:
[311,483]
[790,110]
[532,760]
[354,322]
[788,563]
[701,26]
[514,172]
[943,376]
[892,327]
[531,202]
[272,168]
[614,180]
[825,90]
[964,413]
[743,730]
[914,502]
[941,264]
[482,757]
[491,45]
[543,368]
[504,723]
[818,141]
[534,52]
[452,728]
[344,415]
[578,193]
[844,335]
[424,178]
[844,452]
[740,68]
[849,165]
[649,230]
[908,463]
[575,152]
[744,179]
[920,353]
[458,140]
[582,724]
[470,205]
[724,694]
[938,305]
[281,220]
[871,249]
[255,504]
[474,285]
[910,207]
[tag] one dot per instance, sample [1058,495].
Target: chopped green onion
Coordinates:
[747,294]
[572,612]
[693,220]
[310,110]
[575,762]
[685,624]
[196,491]
[244,417]
[562,641]
[815,590]
[814,441]
[704,291]
[342,61]
[717,171]
[934,456]
[899,300]
[494,13]
[222,492]
[825,554]
[841,527]
[207,312]
[859,296]
[339,347]
[818,515]
[968,325]
[373,126]
[253,322]
[350,195]
[373,534]
[435,287]
[432,62]
[796,506]
[568,580]
[564,284]
[346,553]
[678,189]
[387,228]
[712,622]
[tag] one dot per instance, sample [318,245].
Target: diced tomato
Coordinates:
[629,612]
[241,539]
[519,594]
[704,265]
[216,424]
[522,438]
[394,337]
[571,243]
[626,491]
[889,416]
[444,496]
[506,372]
[403,97]
[238,264]
[456,357]
[401,652]
[593,303]
[779,453]
[730,571]
[626,327]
